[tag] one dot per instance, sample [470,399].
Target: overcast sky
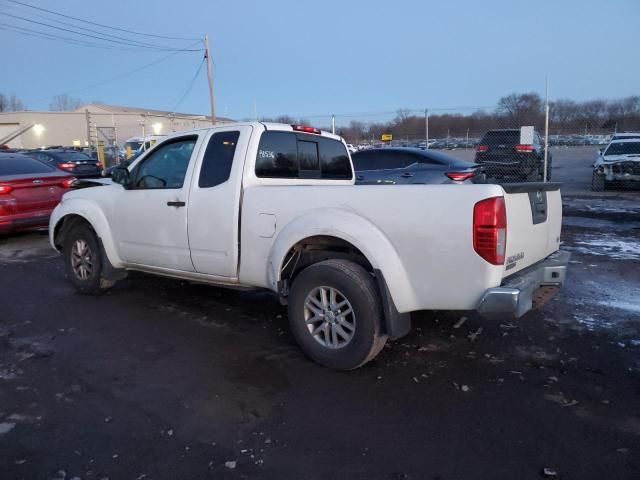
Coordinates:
[314,58]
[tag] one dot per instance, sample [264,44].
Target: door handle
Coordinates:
[407,175]
[176,204]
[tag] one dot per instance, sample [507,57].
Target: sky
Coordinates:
[355,58]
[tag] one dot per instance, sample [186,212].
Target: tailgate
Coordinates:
[534,220]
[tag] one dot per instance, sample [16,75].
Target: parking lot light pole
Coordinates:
[333,124]
[546,127]
[426,127]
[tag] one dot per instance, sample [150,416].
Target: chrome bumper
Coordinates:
[527,289]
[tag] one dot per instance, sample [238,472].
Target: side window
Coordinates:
[166,167]
[334,160]
[218,159]
[277,155]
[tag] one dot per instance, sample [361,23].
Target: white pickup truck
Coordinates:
[261,205]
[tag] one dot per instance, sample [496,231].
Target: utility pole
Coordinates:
[426,127]
[207,55]
[333,124]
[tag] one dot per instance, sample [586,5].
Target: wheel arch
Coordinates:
[352,237]
[71,213]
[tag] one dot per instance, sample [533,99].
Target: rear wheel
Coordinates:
[82,259]
[335,314]
[598,182]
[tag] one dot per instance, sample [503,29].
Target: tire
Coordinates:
[534,174]
[82,259]
[320,332]
[598,182]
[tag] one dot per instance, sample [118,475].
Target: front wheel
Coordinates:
[82,259]
[335,314]
[598,182]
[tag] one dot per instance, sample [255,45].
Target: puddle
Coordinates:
[605,244]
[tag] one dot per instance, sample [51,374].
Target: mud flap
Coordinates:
[397,324]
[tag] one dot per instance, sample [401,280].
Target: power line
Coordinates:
[99,24]
[118,77]
[189,88]
[31,15]
[60,38]
[129,43]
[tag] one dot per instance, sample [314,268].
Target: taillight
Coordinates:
[490,229]
[524,148]
[66,165]
[68,182]
[482,148]
[306,129]
[5,189]
[460,176]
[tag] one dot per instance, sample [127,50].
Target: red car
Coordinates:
[29,191]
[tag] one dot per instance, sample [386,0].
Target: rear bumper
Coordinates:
[526,290]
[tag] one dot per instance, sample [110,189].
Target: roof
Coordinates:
[140,110]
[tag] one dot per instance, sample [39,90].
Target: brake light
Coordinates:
[460,176]
[482,148]
[66,165]
[524,148]
[306,129]
[5,189]
[68,182]
[490,229]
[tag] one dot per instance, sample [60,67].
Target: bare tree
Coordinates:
[521,108]
[10,103]
[64,103]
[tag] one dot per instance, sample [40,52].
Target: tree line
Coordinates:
[512,111]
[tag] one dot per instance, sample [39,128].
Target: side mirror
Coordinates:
[121,175]
[600,150]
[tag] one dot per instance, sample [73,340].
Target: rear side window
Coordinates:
[22,165]
[218,159]
[298,155]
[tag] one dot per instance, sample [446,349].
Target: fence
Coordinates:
[511,145]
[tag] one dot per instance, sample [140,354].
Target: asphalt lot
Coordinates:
[160,379]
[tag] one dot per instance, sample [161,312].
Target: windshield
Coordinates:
[502,137]
[626,148]
[625,136]
[133,145]
[71,156]
[22,165]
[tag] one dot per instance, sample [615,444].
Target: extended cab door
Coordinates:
[214,202]
[150,217]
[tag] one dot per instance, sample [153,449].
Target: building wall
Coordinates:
[65,128]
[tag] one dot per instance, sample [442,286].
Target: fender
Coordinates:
[93,214]
[355,229]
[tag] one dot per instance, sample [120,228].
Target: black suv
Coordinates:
[503,156]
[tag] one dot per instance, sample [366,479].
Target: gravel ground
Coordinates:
[159,379]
